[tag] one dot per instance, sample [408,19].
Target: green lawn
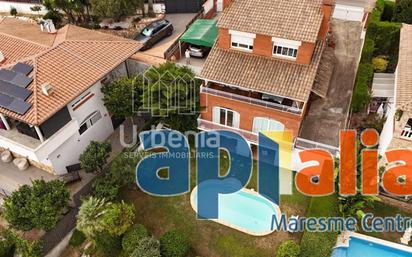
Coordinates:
[207,237]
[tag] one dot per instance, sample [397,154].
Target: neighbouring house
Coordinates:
[50,99]
[266,66]
[22,6]
[397,131]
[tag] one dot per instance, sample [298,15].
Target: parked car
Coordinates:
[154,32]
[199,51]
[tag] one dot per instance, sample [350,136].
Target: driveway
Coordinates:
[327,116]
[179,21]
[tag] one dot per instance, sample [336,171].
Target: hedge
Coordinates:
[361,95]
[174,244]
[133,235]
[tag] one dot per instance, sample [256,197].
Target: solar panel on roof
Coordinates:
[22,68]
[14,91]
[15,78]
[14,104]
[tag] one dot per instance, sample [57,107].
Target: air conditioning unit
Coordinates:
[46,89]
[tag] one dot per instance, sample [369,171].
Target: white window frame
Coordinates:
[242,40]
[91,120]
[268,124]
[290,46]
[217,116]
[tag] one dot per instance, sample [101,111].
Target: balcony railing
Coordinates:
[208,125]
[300,143]
[251,100]
[406,133]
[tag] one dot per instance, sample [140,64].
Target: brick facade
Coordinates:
[263,45]
[305,53]
[224,38]
[248,112]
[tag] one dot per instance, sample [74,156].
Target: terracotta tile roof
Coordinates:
[76,59]
[325,72]
[265,74]
[290,19]
[26,30]
[404,70]
[15,49]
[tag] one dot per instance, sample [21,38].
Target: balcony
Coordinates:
[208,125]
[250,100]
[407,133]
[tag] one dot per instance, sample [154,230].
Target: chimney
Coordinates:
[47,89]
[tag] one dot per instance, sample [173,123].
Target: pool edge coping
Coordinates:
[250,191]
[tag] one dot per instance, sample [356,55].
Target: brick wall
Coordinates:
[224,38]
[248,112]
[263,45]
[327,9]
[305,53]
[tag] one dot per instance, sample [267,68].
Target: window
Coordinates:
[291,52]
[90,121]
[265,124]
[226,117]
[242,40]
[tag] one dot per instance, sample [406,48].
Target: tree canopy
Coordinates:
[36,206]
[403,11]
[115,9]
[95,156]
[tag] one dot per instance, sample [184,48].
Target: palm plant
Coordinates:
[89,218]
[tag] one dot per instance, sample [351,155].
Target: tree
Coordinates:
[13,11]
[115,9]
[403,11]
[171,94]
[122,96]
[133,235]
[174,244]
[288,249]
[95,156]
[75,10]
[150,9]
[89,218]
[118,218]
[36,206]
[146,247]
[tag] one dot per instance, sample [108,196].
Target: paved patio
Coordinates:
[327,116]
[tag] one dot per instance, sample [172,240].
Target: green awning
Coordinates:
[202,32]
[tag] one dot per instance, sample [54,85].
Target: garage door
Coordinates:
[348,13]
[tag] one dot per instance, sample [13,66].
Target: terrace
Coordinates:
[254,98]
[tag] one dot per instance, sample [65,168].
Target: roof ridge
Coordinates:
[128,41]
[99,32]
[36,116]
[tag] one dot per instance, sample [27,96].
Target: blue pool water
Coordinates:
[363,248]
[245,211]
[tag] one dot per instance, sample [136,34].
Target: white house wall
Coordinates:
[20,7]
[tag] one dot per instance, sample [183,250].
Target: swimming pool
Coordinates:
[364,246]
[245,210]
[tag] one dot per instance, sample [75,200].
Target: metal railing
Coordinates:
[406,133]
[301,143]
[209,125]
[250,100]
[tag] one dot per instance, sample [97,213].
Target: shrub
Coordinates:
[77,238]
[118,218]
[380,64]
[108,245]
[89,219]
[368,50]
[38,206]
[55,16]
[133,235]
[13,11]
[388,11]
[403,11]
[27,248]
[361,95]
[7,245]
[174,244]
[95,156]
[105,187]
[288,249]
[147,247]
